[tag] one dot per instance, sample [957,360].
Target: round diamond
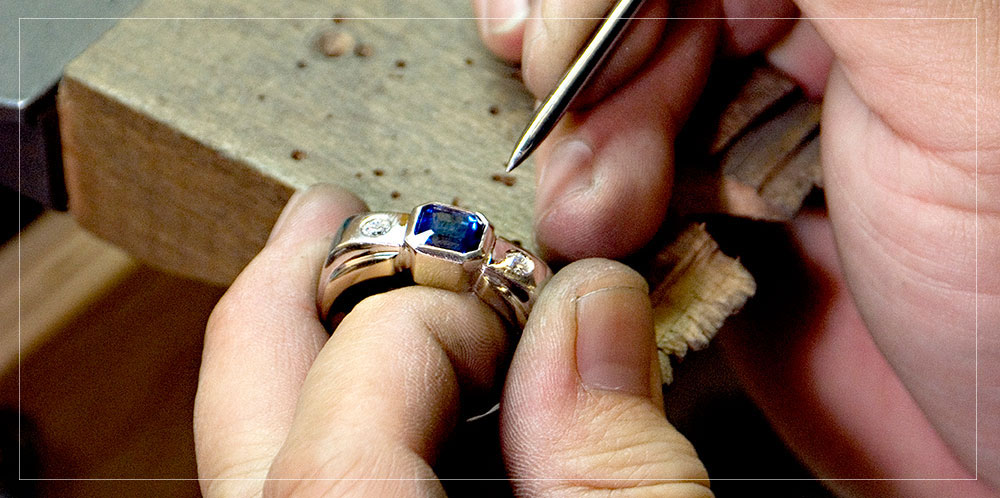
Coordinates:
[376,226]
[519,264]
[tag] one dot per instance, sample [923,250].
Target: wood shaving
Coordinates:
[699,288]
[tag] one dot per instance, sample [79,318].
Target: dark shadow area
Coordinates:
[111,395]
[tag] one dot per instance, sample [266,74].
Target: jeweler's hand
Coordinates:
[366,410]
[883,383]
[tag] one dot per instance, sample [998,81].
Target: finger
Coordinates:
[612,166]
[259,343]
[751,26]
[804,56]
[501,26]
[582,408]
[558,29]
[824,385]
[384,392]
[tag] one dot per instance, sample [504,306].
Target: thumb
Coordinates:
[582,408]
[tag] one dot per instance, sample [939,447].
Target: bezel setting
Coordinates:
[455,249]
[439,266]
[423,218]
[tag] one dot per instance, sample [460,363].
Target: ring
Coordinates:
[435,245]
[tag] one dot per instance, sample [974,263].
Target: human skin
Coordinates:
[285,409]
[911,154]
[875,381]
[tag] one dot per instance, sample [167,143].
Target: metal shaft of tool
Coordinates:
[594,52]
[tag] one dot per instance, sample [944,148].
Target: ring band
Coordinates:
[438,246]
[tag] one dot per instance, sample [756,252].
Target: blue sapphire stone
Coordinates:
[452,229]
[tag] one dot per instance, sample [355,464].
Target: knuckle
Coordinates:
[232,476]
[379,469]
[311,472]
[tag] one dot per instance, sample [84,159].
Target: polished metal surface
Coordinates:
[380,244]
[594,52]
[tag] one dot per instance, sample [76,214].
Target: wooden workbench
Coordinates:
[183,138]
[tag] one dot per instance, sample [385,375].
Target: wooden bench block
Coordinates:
[179,135]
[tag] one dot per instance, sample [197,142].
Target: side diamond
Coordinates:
[518,263]
[376,226]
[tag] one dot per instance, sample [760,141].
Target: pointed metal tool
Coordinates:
[586,64]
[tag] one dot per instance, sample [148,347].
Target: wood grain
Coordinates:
[762,160]
[109,364]
[765,89]
[58,270]
[178,134]
[112,393]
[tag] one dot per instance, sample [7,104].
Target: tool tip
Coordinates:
[515,161]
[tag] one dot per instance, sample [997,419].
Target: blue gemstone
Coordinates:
[452,229]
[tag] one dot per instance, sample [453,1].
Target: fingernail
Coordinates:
[614,341]
[569,169]
[503,16]
[293,202]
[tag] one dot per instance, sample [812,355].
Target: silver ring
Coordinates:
[437,245]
